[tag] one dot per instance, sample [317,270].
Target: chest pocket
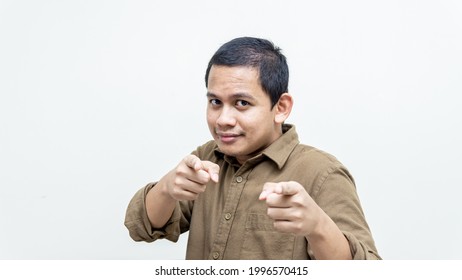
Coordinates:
[262,242]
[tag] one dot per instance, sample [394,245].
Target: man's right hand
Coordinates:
[185,182]
[190,177]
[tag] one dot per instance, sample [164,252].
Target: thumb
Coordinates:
[289,188]
[213,169]
[193,162]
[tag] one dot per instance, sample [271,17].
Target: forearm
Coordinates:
[327,241]
[159,204]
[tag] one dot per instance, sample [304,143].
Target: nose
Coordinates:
[227,117]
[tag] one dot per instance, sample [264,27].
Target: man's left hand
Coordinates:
[291,207]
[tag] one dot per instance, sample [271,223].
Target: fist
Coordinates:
[190,177]
[291,207]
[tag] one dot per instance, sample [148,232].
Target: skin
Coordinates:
[239,113]
[243,123]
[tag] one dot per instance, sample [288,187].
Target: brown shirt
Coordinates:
[228,221]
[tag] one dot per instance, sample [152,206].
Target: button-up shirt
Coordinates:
[228,221]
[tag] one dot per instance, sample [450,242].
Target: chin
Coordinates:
[227,151]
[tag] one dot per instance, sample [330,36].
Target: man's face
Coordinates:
[239,113]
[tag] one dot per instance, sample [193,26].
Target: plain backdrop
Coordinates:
[98,98]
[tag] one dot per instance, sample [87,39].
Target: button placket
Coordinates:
[230,207]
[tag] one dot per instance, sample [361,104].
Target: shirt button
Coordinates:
[239,179]
[216,255]
[228,216]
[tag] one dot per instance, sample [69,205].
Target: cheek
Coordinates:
[255,119]
[211,126]
[210,117]
[212,122]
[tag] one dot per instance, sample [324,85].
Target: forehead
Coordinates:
[226,79]
[233,73]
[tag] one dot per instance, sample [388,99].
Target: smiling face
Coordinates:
[239,113]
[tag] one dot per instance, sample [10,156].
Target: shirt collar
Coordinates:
[279,151]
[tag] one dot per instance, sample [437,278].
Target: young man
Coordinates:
[254,192]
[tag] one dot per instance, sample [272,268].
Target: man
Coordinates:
[254,192]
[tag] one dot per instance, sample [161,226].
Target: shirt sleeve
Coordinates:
[139,227]
[136,217]
[336,195]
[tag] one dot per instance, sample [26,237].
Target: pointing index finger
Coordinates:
[194,162]
[268,188]
[282,188]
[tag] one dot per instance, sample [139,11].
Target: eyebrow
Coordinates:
[239,95]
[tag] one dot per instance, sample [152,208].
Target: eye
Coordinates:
[215,102]
[242,103]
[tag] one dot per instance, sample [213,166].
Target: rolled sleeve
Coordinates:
[360,251]
[137,221]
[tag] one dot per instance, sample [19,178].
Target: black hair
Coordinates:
[260,54]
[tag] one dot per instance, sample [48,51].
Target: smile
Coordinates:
[228,138]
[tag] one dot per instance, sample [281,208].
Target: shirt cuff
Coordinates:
[137,221]
[360,251]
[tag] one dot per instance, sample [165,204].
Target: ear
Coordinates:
[283,108]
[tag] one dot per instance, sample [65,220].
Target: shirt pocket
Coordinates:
[262,242]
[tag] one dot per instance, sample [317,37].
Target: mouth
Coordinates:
[228,138]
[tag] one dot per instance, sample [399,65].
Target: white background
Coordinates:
[98,98]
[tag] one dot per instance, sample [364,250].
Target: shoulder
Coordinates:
[315,157]
[314,166]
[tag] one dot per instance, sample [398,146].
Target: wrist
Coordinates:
[320,228]
[164,187]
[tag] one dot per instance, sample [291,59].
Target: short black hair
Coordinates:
[261,54]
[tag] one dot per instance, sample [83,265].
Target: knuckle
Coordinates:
[202,188]
[298,227]
[298,216]
[202,177]
[175,193]
[189,160]
[179,171]
[177,182]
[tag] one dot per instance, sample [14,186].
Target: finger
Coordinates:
[193,162]
[278,200]
[196,170]
[195,187]
[197,164]
[213,170]
[286,226]
[185,184]
[201,177]
[268,188]
[184,195]
[282,214]
[186,172]
[288,188]
[284,220]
